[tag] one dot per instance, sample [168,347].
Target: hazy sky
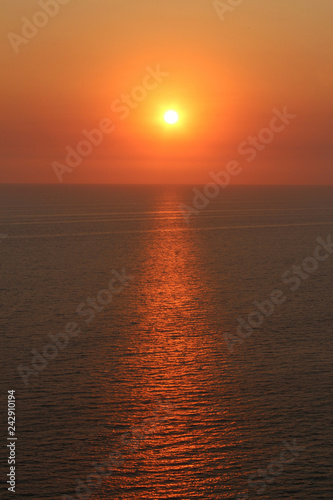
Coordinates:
[120,64]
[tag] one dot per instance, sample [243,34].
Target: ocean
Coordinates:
[156,355]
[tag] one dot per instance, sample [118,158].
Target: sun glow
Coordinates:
[171,117]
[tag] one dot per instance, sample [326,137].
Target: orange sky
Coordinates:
[223,76]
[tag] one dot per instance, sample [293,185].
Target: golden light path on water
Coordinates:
[174,369]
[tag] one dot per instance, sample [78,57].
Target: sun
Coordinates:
[171,117]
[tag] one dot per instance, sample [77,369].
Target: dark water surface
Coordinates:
[149,386]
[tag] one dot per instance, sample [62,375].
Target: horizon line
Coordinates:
[153,184]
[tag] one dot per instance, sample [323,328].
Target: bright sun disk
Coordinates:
[171,117]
